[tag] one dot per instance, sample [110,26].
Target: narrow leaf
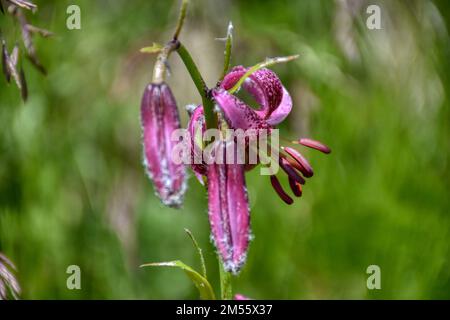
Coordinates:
[227,52]
[267,63]
[202,284]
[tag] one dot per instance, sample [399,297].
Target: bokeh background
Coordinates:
[73,188]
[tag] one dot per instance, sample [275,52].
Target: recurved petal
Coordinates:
[237,113]
[267,90]
[282,111]
[229,214]
[159,118]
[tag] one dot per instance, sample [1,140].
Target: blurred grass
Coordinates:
[73,190]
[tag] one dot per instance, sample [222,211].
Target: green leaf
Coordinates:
[154,48]
[268,62]
[202,284]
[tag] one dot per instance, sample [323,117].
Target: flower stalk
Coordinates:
[208,104]
[226,291]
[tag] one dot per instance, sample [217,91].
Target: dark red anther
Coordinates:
[290,171]
[306,168]
[279,190]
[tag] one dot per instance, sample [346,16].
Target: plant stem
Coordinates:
[181,17]
[208,105]
[226,290]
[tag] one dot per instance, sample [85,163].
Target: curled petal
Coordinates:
[305,167]
[315,145]
[237,113]
[267,90]
[229,214]
[159,118]
[279,190]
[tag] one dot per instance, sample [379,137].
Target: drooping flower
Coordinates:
[159,118]
[228,207]
[275,104]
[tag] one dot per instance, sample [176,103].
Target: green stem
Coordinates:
[181,17]
[226,290]
[208,104]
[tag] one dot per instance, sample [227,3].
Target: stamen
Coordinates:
[279,190]
[296,165]
[315,145]
[307,170]
[295,187]
[291,171]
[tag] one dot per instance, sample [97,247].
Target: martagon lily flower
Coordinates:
[159,118]
[229,213]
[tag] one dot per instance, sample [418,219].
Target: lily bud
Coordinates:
[159,118]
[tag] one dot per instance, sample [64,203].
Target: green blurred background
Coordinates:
[73,188]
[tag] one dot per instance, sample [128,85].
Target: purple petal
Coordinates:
[266,88]
[229,214]
[159,118]
[197,126]
[237,113]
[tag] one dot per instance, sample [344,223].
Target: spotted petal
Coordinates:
[237,113]
[266,88]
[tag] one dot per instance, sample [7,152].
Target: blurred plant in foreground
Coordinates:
[12,65]
[9,286]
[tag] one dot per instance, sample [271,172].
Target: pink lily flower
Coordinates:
[159,118]
[228,205]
